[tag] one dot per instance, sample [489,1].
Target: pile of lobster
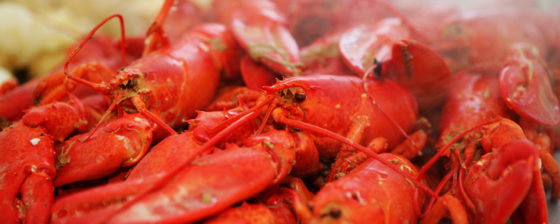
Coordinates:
[218,116]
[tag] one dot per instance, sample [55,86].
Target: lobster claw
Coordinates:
[260,30]
[418,69]
[122,142]
[525,86]
[505,173]
[26,173]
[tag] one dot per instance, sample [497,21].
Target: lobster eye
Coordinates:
[300,97]
[377,70]
[129,84]
[335,213]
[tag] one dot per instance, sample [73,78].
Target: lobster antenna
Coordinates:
[95,86]
[220,126]
[342,139]
[266,117]
[103,117]
[250,115]
[439,189]
[375,68]
[302,211]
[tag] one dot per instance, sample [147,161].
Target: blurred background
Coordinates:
[35,34]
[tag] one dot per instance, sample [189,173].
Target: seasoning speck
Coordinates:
[35,141]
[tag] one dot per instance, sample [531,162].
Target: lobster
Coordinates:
[145,77]
[74,207]
[476,114]
[161,81]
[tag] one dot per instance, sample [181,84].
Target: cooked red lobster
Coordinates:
[218,116]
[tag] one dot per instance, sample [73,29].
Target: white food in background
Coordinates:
[5,76]
[35,34]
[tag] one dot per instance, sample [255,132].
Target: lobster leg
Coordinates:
[54,87]
[446,206]
[355,134]
[550,166]
[155,37]
[412,148]
[214,183]
[96,202]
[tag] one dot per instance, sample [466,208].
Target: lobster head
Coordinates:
[338,103]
